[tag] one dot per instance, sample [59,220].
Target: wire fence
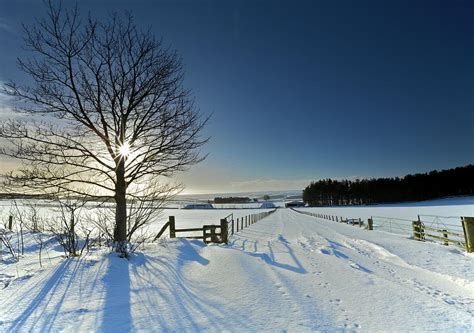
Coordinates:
[230,220]
[393,225]
[447,230]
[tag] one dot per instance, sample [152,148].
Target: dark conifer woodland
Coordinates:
[416,187]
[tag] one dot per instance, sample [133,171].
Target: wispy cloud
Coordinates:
[6,106]
[279,184]
[5,26]
[269,184]
[5,112]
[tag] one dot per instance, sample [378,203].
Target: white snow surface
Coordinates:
[288,272]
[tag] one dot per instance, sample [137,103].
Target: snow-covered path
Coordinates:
[287,272]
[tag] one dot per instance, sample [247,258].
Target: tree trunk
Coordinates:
[120,231]
[72,235]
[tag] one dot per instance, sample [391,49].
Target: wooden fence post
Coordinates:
[445,235]
[204,234]
[418,231]
[167,224]
[238,224]
[414,226]
[214,238]
[10,222]
[360,223]
[468,228]
[172,227]
[224,231]
[370,224]
[232,226]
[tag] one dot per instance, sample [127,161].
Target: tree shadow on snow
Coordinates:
[169,301]
[270,258]
[116,312]
[43,309]
[146,293]
[334,249]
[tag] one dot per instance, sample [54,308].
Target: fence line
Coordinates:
[425,227]
[214,233]
[392,224]
[246,221]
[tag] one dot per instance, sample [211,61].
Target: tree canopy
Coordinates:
[416,187]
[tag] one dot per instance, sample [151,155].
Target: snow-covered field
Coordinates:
[288,272]
[397,218]
[461,206]
[185,218]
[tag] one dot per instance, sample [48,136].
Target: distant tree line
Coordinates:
[225,200]
[416,187]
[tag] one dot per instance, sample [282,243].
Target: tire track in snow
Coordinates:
[344,320]
[283,271]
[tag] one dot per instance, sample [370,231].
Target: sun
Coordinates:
[124,149]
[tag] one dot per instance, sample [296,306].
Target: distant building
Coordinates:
[199,206]
[268,205]
[295,203]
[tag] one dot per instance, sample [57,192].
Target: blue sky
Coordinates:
[302,90]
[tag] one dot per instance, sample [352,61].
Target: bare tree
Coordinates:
[65,227]
[116,121]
